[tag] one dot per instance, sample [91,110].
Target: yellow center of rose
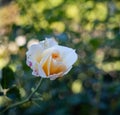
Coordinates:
[53,64]
[55,55]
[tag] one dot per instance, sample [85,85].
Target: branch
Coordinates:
[24,101]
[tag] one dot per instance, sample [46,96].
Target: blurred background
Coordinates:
[92,27]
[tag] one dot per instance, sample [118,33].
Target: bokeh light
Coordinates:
[92,28]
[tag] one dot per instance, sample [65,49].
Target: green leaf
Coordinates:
[8,78]
[1,93]
[13,93]
[95,43]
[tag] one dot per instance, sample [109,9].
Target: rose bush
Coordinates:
[50,60]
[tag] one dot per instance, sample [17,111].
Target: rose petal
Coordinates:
[67,70]
[41,72]
[46,66]
[45,63]
[61,74]
[68,55]
[70,58]
[53,77]
[35,72]
[34,51]
[50,42]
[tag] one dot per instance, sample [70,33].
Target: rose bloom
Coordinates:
[50,60]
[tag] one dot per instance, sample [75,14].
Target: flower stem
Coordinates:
[37,87]
[25,100]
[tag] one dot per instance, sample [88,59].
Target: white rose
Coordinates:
[50,60]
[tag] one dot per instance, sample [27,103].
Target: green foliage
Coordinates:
[8,78]
[90,27]
[1,93]
[13,93]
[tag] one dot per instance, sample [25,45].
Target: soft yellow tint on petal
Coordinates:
[53,77]
[46,66]
[56,68]
[51,66]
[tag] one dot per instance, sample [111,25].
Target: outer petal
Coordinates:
[34,48]
[35,73]
[70,58]
[35,70]
[41,72]
[53,77]
[34,51]
[48,42]
[67,70]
